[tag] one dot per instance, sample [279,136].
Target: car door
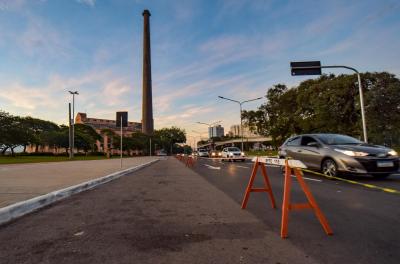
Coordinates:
[310,152]
[292,147]
[223,154]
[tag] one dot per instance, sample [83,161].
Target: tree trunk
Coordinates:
[24,148]
[4,150]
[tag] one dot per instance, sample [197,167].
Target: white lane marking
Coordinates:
[309,179]
[212,167]
[242,167]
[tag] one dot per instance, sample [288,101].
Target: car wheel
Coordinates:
[329,167]
[381,176]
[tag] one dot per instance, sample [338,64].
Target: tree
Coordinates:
[37,129]
[86,137]
[331,104]
[166,138]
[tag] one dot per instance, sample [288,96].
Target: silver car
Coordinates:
[334,154]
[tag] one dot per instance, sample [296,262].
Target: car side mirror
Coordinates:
[313,144]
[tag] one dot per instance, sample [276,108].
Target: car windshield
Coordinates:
[332,139]
[233,149]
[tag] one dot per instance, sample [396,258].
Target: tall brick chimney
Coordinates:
[147,103]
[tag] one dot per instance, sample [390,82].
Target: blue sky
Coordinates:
[200,49]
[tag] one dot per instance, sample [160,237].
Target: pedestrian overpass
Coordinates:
[231,142]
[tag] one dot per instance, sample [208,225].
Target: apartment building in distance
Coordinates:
[235,131]
[216,131]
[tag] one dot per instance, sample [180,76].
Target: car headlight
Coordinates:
[220,154]
[242,153]
[213,154]
[393,153]
[352,153]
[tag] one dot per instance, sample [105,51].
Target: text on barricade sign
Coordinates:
[280,162]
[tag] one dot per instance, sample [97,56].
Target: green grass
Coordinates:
[262,153]
[35,159]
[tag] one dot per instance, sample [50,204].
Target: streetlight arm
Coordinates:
[203,123]
[251,100]
[229,99]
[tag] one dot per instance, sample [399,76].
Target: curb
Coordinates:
[19,209]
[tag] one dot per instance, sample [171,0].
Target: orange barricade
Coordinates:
[267,186]
[311,204]
[190,161]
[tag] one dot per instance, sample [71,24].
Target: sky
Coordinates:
[200,49]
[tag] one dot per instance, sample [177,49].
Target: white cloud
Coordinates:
[91,3]
[99,92]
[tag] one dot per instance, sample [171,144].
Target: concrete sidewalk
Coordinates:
[19,182]
[165,213]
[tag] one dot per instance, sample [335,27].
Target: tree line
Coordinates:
[331,104]
[17,131]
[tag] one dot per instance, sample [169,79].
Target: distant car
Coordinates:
[232,153]
[335,154]
[202,153]
[161,153]
[215,154]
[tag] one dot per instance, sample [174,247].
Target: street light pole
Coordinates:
[308,67]
[199,133]
[73,121]
[240,106]
[210,126]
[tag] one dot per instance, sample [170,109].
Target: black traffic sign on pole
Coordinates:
[305,68]
[124,117]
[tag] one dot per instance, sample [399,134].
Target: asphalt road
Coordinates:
[167,213]
[365,222]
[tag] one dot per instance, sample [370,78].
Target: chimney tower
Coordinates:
[147,103]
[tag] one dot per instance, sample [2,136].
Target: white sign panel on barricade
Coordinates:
[281,162]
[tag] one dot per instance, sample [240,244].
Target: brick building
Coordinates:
[100,124]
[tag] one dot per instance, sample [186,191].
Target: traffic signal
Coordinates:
[124,117]
[305,68]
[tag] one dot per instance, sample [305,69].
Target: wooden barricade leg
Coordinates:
[313,203]
[267,185]
[248,189]
[286,201]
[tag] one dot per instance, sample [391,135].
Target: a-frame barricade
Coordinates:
[287,206]
[189,161]
[267,186]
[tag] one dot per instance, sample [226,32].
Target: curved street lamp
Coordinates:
[240,104]
[209,126]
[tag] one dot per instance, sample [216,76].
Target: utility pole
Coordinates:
[73,121]
[69,131]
